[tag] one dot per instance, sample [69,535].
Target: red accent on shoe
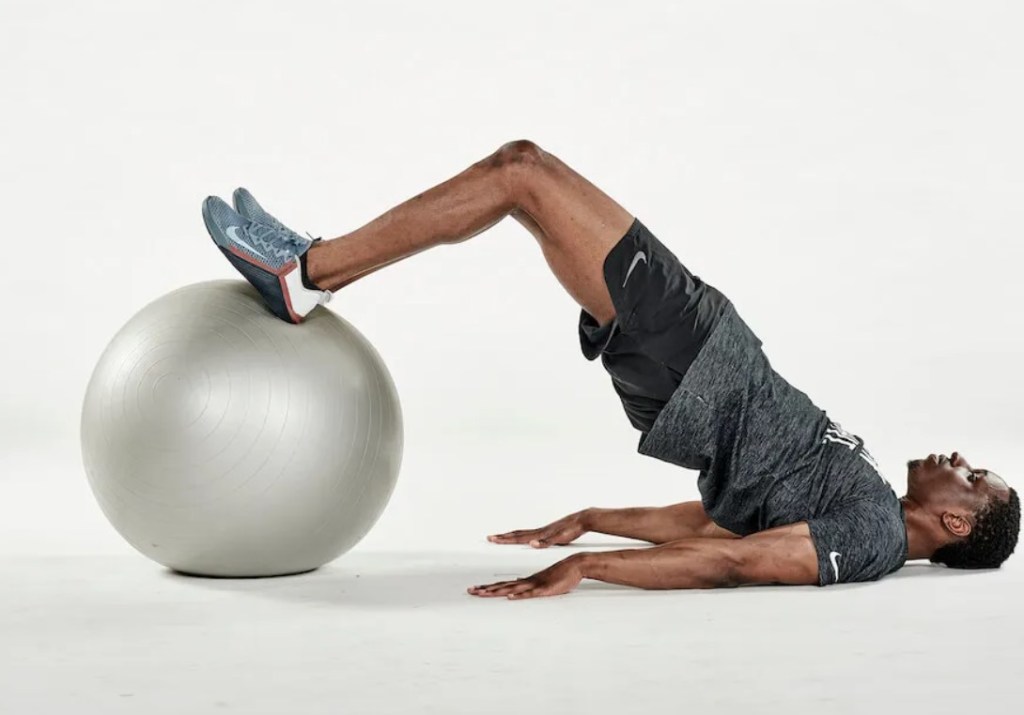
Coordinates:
[287,296]
[280,273]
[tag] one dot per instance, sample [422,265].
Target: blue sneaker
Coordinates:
[246,205]
[270,258]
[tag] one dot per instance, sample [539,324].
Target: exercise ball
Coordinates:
[220,440]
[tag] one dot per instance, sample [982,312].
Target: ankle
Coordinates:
[313,276]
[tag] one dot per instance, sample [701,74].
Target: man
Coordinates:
[788,496]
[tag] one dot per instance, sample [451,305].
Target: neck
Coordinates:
[921,540]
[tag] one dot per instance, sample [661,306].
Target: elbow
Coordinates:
[729,580]
[732,572]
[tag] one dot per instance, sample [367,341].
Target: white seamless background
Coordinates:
[848,173]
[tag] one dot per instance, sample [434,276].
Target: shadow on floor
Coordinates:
[409,581]
[925,569]
[395,582]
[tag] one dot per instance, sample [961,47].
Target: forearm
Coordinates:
[785,554]
[691,563]
[657,525]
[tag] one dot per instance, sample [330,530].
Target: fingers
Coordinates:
[515,590]
[520,589]
[502,588]
[537,538]
[520,536]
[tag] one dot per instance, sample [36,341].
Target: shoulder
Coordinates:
[861,540]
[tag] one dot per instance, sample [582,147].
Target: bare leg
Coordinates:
[575,223]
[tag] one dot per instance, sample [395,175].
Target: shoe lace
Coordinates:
[271,238]
[268,236]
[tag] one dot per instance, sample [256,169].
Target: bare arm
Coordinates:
[784,555]
[657,525]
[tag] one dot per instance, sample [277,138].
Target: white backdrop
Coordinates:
[848,173]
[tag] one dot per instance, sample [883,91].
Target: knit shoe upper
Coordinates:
[246,205]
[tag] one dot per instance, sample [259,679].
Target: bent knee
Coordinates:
[517,153]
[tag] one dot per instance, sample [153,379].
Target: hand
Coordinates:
[555,580]
[557,533]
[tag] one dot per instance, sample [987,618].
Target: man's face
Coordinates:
[952,484]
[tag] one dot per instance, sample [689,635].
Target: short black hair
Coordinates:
[991,541]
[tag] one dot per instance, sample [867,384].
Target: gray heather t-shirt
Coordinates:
[768,457]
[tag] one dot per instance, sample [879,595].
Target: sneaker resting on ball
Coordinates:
[270,257]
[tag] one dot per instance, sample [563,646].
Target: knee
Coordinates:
[518,153]
[518,163]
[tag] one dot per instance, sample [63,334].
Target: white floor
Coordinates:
[389,632]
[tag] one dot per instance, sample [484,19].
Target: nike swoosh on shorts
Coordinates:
[636,260]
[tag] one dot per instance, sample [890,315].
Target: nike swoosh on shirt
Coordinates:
[833,556]
[232,232]
[636,259]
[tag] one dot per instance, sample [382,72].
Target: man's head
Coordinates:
[977,514]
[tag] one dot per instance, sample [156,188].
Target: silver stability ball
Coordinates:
[222,441]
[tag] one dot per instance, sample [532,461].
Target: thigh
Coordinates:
[664,314]
[664,308]
[569,208]
[575,223]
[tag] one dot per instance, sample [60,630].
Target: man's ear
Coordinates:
[956,524]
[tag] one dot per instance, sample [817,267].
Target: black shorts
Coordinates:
[664,314]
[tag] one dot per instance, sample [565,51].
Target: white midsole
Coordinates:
[303,299]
